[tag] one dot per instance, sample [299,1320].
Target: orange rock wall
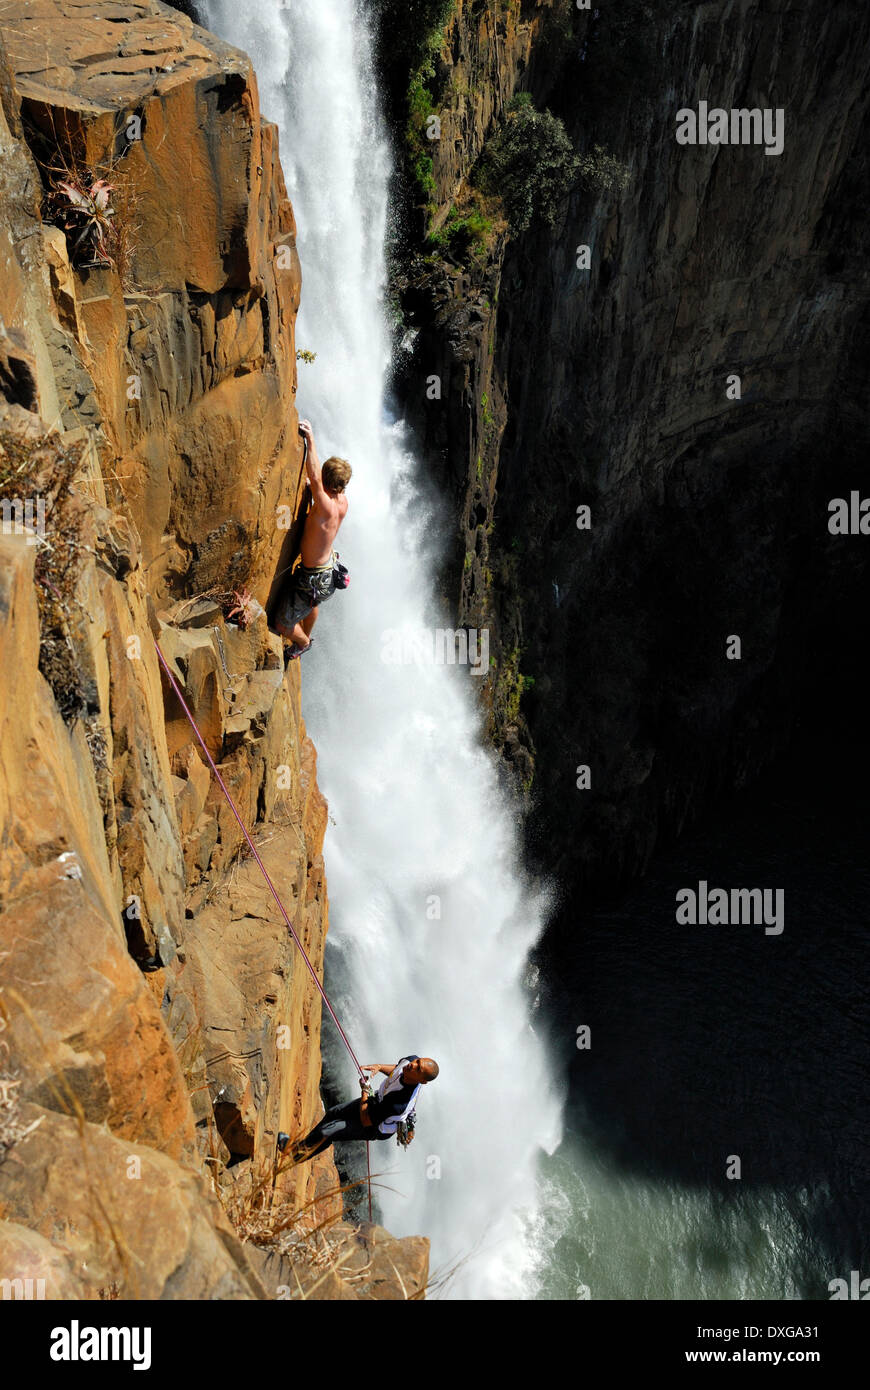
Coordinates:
[150,994]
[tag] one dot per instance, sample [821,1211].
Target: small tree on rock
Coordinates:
[531,164]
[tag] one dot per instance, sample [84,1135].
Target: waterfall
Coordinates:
[431,924]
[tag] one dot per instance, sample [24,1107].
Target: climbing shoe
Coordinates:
[283,1140]
[293,653]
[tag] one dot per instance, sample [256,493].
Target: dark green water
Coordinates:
[711,1041]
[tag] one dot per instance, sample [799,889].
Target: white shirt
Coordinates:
[392,1084]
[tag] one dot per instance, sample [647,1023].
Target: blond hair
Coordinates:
[335,474]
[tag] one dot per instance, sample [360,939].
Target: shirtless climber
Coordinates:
[371,1117]
[313,582]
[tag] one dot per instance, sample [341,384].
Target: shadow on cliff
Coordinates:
[188,7]
[710,1041]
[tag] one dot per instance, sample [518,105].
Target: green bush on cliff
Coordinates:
[510,687]
[409,35]
[420,108]
[602,172]
[405,30]
[531,164]
[460,235]
[420,104]
[423,171]
[414,31]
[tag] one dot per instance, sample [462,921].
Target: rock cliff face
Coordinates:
[157,1026]
[607,387]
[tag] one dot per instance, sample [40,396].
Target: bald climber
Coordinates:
[372,1117]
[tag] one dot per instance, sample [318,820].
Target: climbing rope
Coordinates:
[253,848]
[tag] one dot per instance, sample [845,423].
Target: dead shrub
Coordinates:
[35,479]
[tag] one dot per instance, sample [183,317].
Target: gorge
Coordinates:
[598,387]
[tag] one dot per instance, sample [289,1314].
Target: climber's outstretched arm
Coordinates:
[312,467]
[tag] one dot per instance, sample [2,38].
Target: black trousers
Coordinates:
[339,1125]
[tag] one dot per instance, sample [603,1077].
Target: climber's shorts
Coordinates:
[310,588]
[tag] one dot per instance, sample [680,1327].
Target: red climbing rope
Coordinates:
[253,848]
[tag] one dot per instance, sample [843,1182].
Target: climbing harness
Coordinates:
[253,848]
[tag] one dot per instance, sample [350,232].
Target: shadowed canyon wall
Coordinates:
[605,387]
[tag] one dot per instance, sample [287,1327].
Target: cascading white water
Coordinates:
[430,922]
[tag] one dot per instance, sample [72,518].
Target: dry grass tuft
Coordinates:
[38,473]
[12,1127]
[316,1246]
[94,203]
